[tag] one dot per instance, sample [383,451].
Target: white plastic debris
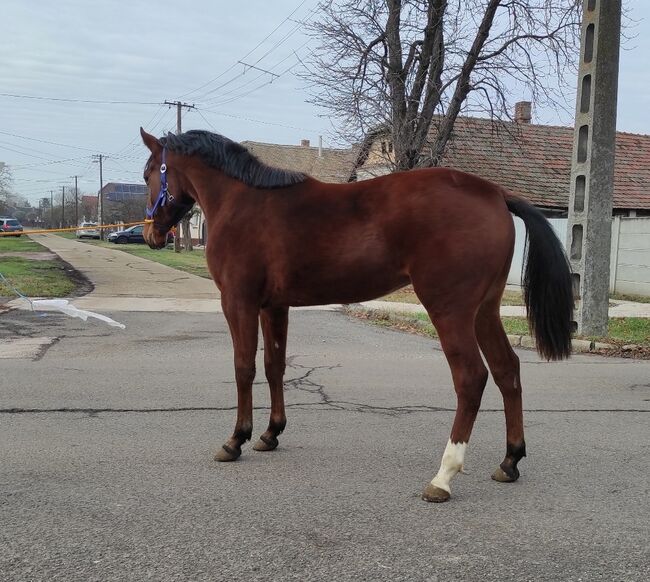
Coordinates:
[64,306]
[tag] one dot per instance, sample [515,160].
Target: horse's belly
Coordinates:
[316,286]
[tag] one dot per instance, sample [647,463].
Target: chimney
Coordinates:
[320,146]
[304,143]
[523,112]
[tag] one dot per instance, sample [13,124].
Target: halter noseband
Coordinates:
[163,196]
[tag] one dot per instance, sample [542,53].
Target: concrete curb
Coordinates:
[517,341]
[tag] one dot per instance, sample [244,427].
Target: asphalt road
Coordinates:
[106,470]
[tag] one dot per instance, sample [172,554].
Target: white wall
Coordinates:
[631,246]
[559,226]
[630,256]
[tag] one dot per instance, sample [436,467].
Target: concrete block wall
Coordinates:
[630,272]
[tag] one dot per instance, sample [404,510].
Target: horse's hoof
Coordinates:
[434,494]
[227,453]
[265,443]
[502,477]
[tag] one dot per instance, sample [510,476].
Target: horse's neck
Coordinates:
[215,193]
[207,187]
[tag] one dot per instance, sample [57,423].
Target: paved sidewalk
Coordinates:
[124,282]
[617,308]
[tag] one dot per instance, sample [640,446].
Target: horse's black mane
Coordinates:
[231,158]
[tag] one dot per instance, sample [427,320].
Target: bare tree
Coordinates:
[399,66]
[127,210]
[5,187]
[88,207]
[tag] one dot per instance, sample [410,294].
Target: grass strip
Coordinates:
[19,245]
[407,295]
[188,262]
[36,278]
[624,331]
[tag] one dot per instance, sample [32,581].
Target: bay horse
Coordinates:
[278,239]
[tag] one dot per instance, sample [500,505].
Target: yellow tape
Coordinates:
[71,229]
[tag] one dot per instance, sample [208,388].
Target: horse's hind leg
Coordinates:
[504,365]
[469,374]
[274,329]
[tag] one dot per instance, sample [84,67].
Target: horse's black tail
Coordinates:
[547,283]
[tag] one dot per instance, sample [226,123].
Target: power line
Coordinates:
[248,53]
[66,100]
[293,54]
[245,94]
[46,163]
[280,42]
[136,144]
[161,108]
[46,141]
[4,145]
[230,115]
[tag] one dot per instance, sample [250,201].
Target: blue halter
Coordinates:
[163,196]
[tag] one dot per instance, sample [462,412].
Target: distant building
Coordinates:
[117,192]
[123,202]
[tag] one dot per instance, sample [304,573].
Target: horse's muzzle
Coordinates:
[154,237]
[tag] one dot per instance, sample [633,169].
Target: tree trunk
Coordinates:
[177,238]
[187,233]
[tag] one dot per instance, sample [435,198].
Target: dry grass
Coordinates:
[407,295]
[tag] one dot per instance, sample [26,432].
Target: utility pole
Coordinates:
[100,196]
[592,173]
[62,206]
[179,108]
[51,208]
[76,202]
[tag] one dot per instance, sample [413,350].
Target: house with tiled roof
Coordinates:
[325,164]
[529,159]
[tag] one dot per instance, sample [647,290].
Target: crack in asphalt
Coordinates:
[338,405]
[305,383]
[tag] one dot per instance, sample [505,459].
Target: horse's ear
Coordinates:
[154,145]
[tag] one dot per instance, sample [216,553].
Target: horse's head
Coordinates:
[169,200]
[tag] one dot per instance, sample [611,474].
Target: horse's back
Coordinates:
[345,243]
[439,203]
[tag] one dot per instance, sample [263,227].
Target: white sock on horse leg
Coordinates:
[452,463]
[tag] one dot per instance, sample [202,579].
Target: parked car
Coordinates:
[10,225]
[88,230]
[133,234]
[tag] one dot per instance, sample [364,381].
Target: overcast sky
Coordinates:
[148,52]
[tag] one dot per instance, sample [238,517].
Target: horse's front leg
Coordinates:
[242,321]
[274,329]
